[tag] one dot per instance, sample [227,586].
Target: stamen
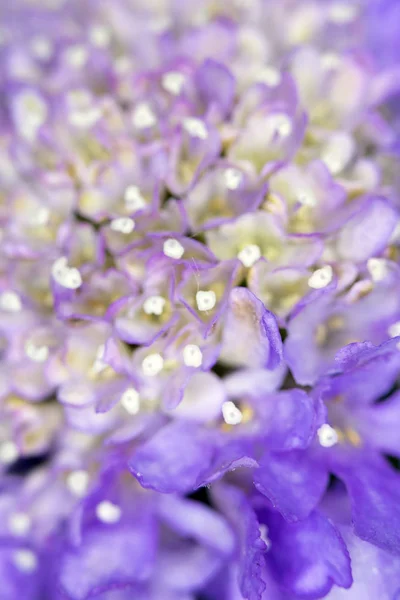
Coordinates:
[123,225]
[173,82]
[321,277]
[66,276]
[154,305]
[77,482]
[327,436]
[19,523]
[249,255]
[233,178]
[134,200]
[25,560]
[130,400]
[10,301]
[206,300]
[195,127]
[173,249]
[231,413]
[107,512]
[192,356]
[152,365]
[143,117]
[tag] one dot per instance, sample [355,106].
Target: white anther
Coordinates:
[378,268]
[173,82]
[152,365]
[269,75]
[173,249]
[19,523]
[206,300]
[249,255]
[10,301]
[130,400]
[231,413]
[342,13]
[394,330]
[8,452]
[195,127]
[85,118]
[327,436]
[154,305]
[306,197]
[133,198]
[123,225]
[36,353]
[192,356]
[321,278]
[66,276]
[99,36]
[107,512]
[76,56]
[25,560]
[143,116]
[232,178]
[41,47]
[31,113]
[338,152]
[77,482]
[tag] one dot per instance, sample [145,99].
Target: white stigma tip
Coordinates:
[249,255]
[25,560]
[66,276]
[173,82]
[123,225]
[206,300]
[152,365]
[195,128]
[342,13]
[327,436]
[76,56]
[99,36]
[394,330]
[233,178]
[192,356]
[232,415]
[173,249]
[130,400]
[154,305]
[36,353]
[8,452]
[143,117]
[107,512]
[321,278]
[269,76]
[10,302]
[77,482]
[19,523]
[378,268]
[133,198]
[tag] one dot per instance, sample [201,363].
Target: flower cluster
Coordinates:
[199,300]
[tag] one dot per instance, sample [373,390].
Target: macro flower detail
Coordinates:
[199,300]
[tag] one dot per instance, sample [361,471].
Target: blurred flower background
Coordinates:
[200,299]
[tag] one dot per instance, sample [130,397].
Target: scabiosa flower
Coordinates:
[199,300]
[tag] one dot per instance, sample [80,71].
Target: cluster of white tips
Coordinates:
[173,82]
[342,13]
[192,356]
[25,560]
[154,305]
[394,330]
[133,198]
[76,56]
[123,225]
[143,117]
[195,127]
[36,353]
[321,277]
[327,436]
[205,300]
[231,413]
[249,255]
[152,365]
[19,523]
[378,268]
[130,400]
[233,178]
[66,276]
[173,249]
[77,482]
[107,512]
[10,301]
[8,452]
